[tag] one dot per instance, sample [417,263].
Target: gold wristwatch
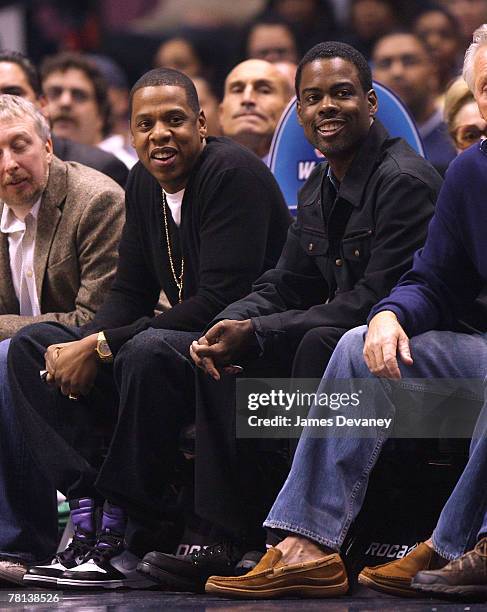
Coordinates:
[102,349]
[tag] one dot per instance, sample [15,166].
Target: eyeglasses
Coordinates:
[467,135]
[54,92]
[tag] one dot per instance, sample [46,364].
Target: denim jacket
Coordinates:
[320,281]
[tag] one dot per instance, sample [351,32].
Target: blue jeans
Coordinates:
[328,480]
[28,511]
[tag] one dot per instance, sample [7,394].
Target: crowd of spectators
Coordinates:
[428,40]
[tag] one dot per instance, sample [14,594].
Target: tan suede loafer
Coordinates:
[395,577]
[12,570]
[325,577]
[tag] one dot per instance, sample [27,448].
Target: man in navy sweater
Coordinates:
[328,480]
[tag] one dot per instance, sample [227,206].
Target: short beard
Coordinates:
[29,200]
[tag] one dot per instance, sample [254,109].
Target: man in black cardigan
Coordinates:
[204,217]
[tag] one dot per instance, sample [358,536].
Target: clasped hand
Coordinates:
[72,366]
[222,344]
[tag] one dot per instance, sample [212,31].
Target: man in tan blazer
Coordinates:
[60,223]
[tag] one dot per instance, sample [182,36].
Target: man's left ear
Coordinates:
[202,127]
[372,102]
[49,149]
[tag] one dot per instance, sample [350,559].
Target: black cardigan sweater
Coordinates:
[233,224]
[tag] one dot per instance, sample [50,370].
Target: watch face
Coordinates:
[104,349]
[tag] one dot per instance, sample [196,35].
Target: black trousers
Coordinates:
[120,442]
[237,480]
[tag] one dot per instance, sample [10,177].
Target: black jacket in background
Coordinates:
[96,158]
[233,225]
[392,192]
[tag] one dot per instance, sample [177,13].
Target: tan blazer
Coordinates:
[78,228]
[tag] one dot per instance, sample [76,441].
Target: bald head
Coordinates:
[256,93]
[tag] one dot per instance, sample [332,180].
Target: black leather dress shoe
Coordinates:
[190,572]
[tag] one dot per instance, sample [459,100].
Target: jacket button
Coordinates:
[356,253]
[311,246]
[338,262]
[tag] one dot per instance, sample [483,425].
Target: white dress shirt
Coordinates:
[21,245]
[115,144]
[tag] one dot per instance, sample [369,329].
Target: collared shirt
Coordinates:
[329,194]
[333,179]
[21,245]
[115,144]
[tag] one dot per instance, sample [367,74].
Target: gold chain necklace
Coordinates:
[177,279]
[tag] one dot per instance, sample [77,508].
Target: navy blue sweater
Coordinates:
[450,271]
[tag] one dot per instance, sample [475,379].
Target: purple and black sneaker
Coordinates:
[108,565]
[83,517]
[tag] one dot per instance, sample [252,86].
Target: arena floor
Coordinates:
[126,601]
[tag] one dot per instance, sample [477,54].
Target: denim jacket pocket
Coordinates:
[314,243]
[356,246]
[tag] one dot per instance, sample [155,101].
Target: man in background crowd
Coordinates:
[402,62]
[77,101]
[273,41]
[470,14]
[255,95]
[18,76]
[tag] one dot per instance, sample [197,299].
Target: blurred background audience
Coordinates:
[206,39]
[470,14]
[18,76]
[440,30]
[78,103]
[178,53]
[403,62]
[271,40]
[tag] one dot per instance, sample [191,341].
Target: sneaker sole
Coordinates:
[132,583]
[35,579]
[473,591]
[257,593]
[384,588]
[170,581]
